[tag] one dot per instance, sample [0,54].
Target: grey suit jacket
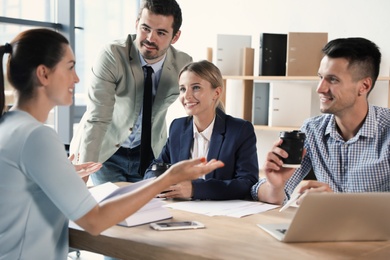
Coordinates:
[115,99]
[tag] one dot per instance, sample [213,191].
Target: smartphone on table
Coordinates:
[177,225]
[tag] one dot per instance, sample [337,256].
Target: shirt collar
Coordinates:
[156,66]
[368,128]
[205,133]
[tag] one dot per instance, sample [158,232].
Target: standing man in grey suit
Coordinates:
[110,130]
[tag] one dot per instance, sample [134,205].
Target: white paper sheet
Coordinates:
[230,208]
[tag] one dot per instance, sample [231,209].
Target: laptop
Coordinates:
[337,217]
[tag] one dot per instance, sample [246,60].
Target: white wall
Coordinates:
[204,19]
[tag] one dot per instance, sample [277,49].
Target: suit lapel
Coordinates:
[186,139]
[217,136]
[135,65]
[168,77]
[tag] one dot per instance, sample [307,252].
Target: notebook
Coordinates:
[273,53]
[304,53]
[153,211]
[337,217]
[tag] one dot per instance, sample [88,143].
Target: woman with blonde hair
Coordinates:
[209,132]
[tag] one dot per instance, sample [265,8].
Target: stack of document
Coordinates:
[153,211]
[230,208]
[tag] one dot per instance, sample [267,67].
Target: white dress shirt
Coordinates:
[201,144]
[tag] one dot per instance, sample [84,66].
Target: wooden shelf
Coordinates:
[9,97]
[247,84]
[275,128]
[284,78]
[272,78]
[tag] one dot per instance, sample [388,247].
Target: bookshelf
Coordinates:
[283,78]
[248,83]
[266,135]
[248,80]
[245,82]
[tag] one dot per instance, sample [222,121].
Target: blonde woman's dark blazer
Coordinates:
[233,141]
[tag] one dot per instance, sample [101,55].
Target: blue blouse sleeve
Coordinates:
[45,161]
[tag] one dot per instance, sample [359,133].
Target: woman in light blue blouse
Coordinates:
[39,187]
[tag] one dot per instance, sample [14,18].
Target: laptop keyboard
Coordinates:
[283,231]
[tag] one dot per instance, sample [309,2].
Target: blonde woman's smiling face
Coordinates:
[197,95]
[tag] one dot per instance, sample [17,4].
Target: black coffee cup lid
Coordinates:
[293,134]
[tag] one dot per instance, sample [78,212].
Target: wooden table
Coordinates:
[223,238]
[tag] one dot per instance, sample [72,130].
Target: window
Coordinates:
[101,22]
[44,10]
[95,22]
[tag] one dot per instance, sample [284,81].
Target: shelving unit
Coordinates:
[9,97]
[274,128]
[272,78]
[283,78]
[265,134]
[248,81]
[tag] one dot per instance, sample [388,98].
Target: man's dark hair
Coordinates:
[360,52]
[166,8]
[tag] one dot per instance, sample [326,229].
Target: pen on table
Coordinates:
[290,202]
